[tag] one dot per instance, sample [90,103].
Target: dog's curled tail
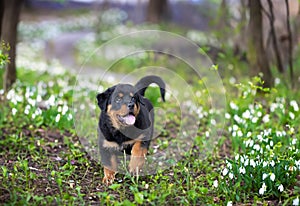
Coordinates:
[144,82]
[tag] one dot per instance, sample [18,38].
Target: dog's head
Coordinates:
[121,103]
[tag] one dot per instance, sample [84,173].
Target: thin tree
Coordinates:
[157,10]
[274,37]
[11,10]
[290,39]
[256,51]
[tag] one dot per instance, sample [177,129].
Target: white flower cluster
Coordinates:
[259,156]
[31,103]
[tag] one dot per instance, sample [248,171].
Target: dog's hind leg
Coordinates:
[138,156]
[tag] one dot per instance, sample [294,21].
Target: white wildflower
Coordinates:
[64,109]
[242,170]
[57,118]
[207,133]
[294,104]
[14,111]
[272,163]
[246,163]
[276,81]
[260,138]
[271,143]
[229,203]
[254,119]
[239,133]
[292,115]
[296,201]
[263,189]
[266,118]
[246,114]
[38,111]
[216,184]
[265,164]
[280,188]
[235,127]
[82,107]
[273,107]
[267,132]
[294,141]
[292,130]
[27,108]
[229,165]
[232,80]
[256,147]
[38,98]
[225,171]
[233,106]
[278,133]
[264,176]
[252,163]
[51,100]
[249,134]
[32,102]
[272,177]
[249,143]
[70,116]
[230,175]
[242,159]
[227,116]
[237,156]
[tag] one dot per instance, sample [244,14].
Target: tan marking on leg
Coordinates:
[114,163]
[110,144]
[109,176]
[137,159]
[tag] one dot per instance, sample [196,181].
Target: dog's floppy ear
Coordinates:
[140,98]
[102,98]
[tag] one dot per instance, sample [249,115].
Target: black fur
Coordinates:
[143,125]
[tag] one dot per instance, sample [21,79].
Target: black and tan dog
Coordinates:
[126,124]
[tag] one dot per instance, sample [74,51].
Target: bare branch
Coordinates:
[290,51]
[276,50]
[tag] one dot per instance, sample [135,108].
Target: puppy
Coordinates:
[126,125]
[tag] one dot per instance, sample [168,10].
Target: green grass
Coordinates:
[255,159]
[43,161]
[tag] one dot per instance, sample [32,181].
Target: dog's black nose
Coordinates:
[130,105]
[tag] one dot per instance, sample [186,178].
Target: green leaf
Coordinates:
[139,198]
[115,186]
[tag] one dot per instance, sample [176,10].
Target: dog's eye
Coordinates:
[133,99]
[118,99]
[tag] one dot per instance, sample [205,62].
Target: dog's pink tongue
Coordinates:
[130,119]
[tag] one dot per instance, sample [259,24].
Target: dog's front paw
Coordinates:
[109,176]
[136,163]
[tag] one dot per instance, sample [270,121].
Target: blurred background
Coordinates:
[63,32]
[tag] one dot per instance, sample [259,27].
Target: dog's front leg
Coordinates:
[109,161]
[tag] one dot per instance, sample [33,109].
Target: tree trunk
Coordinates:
[1,14]
[256,51]
[157,9]
[12,10]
